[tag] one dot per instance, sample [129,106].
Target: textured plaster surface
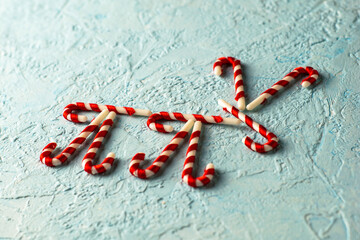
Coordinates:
[158,55]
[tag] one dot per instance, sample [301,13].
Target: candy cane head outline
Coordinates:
[313,76]
[239,83]
[73,117]
[155,126]
[257,147]
[107,163]
[209,171]
[150,171]
[45,156]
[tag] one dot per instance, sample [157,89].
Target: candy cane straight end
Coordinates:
[256,102]
[241,104]
[223,103]
[100,117]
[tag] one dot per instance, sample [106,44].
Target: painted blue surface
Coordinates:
[158,55]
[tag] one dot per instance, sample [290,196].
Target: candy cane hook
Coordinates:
[313,76]
[257,147]
[45,157]
[150,171]
[68,115]
[239,88]
[190,159]
[153,125]
[87,161]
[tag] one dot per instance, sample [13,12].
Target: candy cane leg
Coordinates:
[190,159]
[239,88]
[134,167]
[313,76]
[45,157]
[257,147]
[68,115]
[153,125]
[87,161]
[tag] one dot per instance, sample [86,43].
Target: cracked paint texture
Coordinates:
[158,55]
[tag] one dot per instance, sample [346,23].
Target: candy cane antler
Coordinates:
[313,76]
[190,159]
[239,88]
[153,125]
[162,158]
[68,115]
[257,147]
[87,161]
[67,152]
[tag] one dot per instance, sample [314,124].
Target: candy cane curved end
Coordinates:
[239,87]
[104,166]
[257,147]
[209,171]
[150,171]
[203,180]
[45,156]
[313,75]
[73,117]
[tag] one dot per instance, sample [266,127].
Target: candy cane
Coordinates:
[68,115]
[257,147]
[239,88]
[45,157]
[87,161]
[162,158]
[313,76]
[190,159]
[153,125]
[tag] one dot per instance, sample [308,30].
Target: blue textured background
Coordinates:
[159,55]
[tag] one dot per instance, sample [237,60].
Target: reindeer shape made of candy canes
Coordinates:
[193,121]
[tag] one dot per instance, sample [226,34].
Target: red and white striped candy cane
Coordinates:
[45,157]
[313,76]
[153,125]
[134,167]
[87,161]
[239,88]
[257,147]
[190,159]
[68,115]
